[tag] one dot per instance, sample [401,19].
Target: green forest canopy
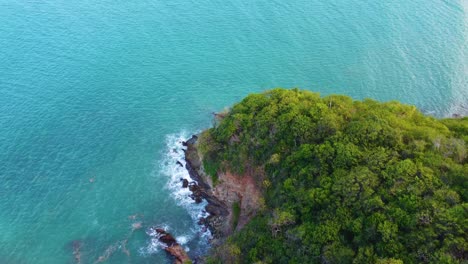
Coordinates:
[345,181]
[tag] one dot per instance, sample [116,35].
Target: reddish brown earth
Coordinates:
[229,189]
[242,189]
[172,247]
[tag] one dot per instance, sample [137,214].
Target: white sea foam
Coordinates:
[175,173]
[182,239]
[155,244]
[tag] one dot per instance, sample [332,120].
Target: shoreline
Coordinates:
[232,201]
[218,211]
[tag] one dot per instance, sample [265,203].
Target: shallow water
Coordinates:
[95,95]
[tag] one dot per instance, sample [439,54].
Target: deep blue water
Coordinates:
[94,96]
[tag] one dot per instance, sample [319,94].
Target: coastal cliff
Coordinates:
[232,201]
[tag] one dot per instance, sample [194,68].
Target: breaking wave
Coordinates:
[172,166]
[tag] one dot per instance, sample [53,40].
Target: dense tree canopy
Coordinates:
[345,181]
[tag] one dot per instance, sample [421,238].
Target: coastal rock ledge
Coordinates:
[172,247]
[229,192]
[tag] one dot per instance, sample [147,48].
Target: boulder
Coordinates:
[185,183]
[172,247]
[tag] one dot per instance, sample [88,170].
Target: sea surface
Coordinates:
[95,97]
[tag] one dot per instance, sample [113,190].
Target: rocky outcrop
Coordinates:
[194,163]
[172,247]
[201,189]
[230,189]
[185,183]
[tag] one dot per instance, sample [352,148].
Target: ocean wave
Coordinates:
[173,167]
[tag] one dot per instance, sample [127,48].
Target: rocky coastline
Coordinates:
[200,187]
[218,210]
[230,191]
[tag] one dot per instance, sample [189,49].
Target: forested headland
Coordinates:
[343,181]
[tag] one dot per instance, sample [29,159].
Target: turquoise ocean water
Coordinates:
[96,95]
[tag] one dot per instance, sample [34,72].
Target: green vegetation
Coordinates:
[235,214]
[346,181]
[211,169]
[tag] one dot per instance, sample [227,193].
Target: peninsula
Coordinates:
[293,177]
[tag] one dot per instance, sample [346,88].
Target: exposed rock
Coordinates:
[215,210]
[219,115]
[172,247]
[230,189]
[193,166]
[201,221]
[192,141]
[165,237]
[185,183]
[179,253]
[242,190]
[197,192]
[180,163]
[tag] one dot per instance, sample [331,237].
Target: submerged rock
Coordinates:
[137,225]
[77,244]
